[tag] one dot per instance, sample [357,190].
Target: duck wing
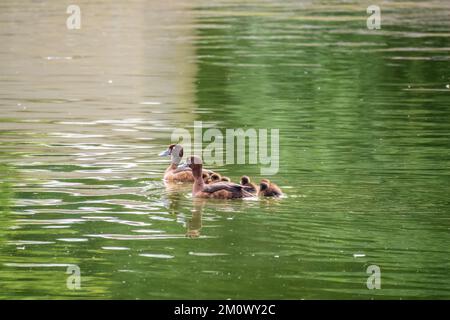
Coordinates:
[234,188]
[181,169]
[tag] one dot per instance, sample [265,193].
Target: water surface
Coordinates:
[364,125]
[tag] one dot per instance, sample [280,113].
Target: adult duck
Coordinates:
[176,173]
[219,190]
[269,189]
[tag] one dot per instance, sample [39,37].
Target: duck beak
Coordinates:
[165,153]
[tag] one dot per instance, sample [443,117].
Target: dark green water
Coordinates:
[364,124]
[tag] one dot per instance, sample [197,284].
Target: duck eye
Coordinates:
[171,148]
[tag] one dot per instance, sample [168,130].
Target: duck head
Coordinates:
[175,151]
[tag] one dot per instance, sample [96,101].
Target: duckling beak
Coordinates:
[165,153]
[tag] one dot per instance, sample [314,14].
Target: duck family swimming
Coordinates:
[218,190]
[210,184]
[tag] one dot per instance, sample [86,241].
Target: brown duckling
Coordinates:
[245,181]
[215,177]
[225,179]
[219,190]
[206,177]
[269,189]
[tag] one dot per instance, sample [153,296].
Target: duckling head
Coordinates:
[264,185]
[225,179]
[245,180]
[215,177]
[205,177]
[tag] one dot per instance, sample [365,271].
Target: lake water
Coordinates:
[364,124]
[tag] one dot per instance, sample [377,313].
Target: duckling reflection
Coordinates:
[218,205]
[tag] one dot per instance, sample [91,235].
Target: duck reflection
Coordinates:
[194,225]
[178,199]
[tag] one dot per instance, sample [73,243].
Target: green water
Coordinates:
[364,124]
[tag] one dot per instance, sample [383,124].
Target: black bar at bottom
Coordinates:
[227,309]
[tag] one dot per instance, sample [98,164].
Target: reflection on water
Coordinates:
[364,123]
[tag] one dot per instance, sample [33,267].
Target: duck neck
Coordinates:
[174,162]
[175,159]
[198,179]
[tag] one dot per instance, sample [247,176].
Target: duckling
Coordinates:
[269,189]
[225,179]
[206,178]
[215,177]
[219,190]
[176,173]
[245,181]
